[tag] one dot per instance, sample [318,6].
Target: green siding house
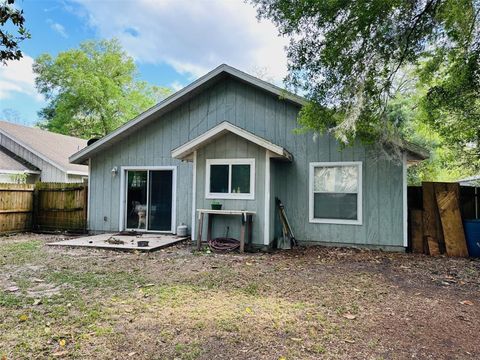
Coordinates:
[229,137]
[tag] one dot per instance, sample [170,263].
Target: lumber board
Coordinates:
[432,229]
[416,231]
[449,209]
[438,187]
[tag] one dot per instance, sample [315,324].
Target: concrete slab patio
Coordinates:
[122,242]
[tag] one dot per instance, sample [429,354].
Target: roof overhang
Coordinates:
[415,153]
[178,98]
[185,151]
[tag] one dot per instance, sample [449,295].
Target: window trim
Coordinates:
[359,220]
[230,195]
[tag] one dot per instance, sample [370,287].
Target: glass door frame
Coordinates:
[123,197]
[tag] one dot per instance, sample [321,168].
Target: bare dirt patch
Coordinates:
[308,303]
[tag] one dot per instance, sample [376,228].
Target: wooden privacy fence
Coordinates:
[16,207]
[436,214]
[43,207]
[60,206]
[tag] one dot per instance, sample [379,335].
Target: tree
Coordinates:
[348,57]
[9,41]
[451,105]
[445,162]
[91,90]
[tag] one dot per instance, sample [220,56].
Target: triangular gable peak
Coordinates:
[185,151]
[178,98]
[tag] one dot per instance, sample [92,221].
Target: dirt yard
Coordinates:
[309,303]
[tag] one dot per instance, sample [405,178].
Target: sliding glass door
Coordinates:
[160,201]
[149,198]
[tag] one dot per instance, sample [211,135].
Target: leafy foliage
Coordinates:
[9,41]
[348,57]
[445,162]
[451,105]
[91,90]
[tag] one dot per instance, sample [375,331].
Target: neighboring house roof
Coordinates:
[11,163]
[470,181]
[184,151]
[182,96]
[51,147]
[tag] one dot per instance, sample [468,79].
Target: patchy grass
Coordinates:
[19,253]
[177,304]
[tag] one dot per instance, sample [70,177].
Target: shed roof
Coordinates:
[51,147]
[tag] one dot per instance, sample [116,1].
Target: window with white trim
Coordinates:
[336,193]
[230,179]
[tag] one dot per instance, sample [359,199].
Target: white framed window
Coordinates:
[335,192]
[230,179]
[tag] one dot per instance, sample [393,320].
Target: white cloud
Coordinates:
[176,85]
[191,36]
[59,28]
[17,77]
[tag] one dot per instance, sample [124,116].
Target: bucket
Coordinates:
[182,230]
[472,234]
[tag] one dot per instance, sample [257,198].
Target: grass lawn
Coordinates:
[309,303]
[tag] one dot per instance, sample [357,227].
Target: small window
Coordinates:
[336,193]
[230,179]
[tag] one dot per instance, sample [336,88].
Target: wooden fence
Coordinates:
[16,207]
[436,214]
[43,207]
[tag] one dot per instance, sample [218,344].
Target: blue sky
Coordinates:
[172,41]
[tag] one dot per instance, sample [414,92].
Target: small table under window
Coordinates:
[247,220]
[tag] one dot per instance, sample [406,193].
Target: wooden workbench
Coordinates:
[247,220]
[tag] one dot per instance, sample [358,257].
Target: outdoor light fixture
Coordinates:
[114,171]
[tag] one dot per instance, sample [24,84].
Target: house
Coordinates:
[229,137]
[30,154]
[470,181]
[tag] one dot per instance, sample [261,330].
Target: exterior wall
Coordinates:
[49,173]
[150,146]
[231,146]
[8,178]
[76,178]
[273,119]
[382,223]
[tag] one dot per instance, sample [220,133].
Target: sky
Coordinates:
[173,42]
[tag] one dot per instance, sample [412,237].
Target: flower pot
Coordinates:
[216,206]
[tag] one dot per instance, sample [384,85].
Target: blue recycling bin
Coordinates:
[472,234]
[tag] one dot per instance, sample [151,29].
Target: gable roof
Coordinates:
[179,97]
[184,151]
[10,163]
[51,147]
[188,92]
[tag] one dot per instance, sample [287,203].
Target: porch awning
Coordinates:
[185,151]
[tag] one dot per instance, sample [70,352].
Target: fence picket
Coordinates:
[43,207]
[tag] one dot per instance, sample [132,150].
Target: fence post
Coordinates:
[85,204]
[35,208]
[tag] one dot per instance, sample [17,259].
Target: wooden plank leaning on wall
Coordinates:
[432,231]
[449,209]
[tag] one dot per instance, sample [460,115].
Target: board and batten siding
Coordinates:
[231,146]
[274,119]
[382,221]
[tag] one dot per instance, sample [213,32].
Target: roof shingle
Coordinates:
[55,147]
